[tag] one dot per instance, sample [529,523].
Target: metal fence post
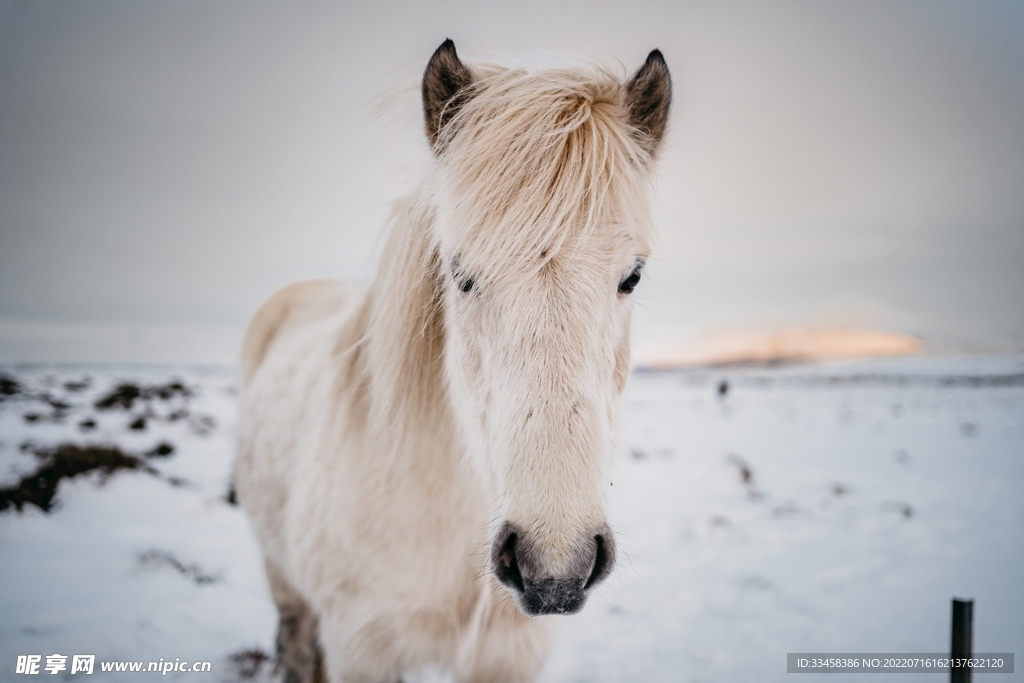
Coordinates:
[963,624]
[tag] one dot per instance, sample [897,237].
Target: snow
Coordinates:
[74,582]
[875,492]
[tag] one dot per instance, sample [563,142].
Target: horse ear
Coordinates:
[648,96]
[446,84]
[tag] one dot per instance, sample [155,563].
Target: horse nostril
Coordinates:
[506,565]
[603,561]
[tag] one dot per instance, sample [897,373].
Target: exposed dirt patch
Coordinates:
[66,461]
[122,396]
[58,410]
[746,476]
[148,403]
[251,663]
[191,570]
[202,425]
[905,510]
[161,450]
[77,385]
[9,386]
[125,395]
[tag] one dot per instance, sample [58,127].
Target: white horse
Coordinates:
[426,464]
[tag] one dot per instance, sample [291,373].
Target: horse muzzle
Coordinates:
[518,562]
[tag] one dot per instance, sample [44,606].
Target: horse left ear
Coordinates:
[446,84]
[648,96]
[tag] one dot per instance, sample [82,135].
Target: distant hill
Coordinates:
[793,345]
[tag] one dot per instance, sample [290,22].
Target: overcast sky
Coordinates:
[166,166]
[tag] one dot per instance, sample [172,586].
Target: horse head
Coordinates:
[541,228]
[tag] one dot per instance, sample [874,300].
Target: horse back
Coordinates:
[290,308]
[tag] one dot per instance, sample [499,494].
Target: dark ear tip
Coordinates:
[447,46]
[656,59]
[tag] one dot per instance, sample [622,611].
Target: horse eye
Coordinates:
[629,284]
[464,284]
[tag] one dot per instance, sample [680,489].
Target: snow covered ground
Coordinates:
[828,508]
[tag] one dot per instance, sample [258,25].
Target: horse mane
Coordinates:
[532,163]
[537,160]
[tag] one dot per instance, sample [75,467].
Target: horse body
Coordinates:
[425,463]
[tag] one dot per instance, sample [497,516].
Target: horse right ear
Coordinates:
[648,96]
[446,83]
